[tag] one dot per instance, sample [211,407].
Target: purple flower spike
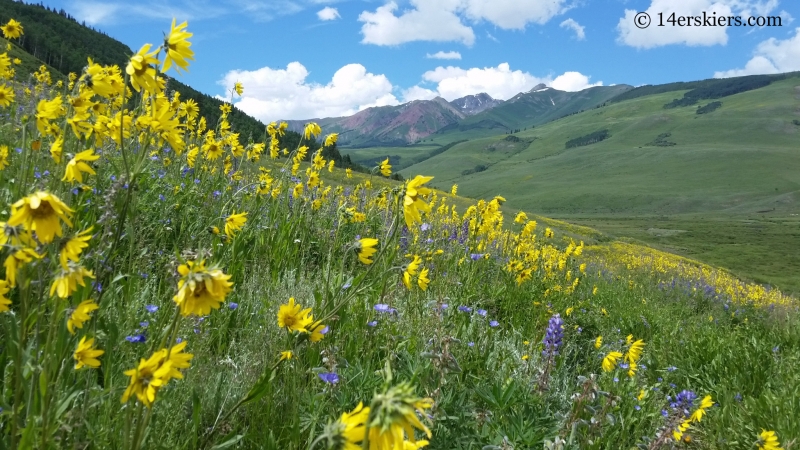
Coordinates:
[553,336]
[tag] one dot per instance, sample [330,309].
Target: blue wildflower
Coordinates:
[330,378]
[553,336]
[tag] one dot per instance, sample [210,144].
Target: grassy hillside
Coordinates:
[739,161]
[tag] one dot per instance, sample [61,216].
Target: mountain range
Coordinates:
[414,121]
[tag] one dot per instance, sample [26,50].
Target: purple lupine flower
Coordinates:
[482,312]
[151,308]
[233,305]
[216,194]
[330,378]
[476,256]
[494,323]
[553,336]
[683,402]
[465,309]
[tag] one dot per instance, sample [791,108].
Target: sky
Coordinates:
[303,59]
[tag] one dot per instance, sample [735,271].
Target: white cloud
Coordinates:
[770,56]
[573,82]
[273,94]
[444,55]
[328,13]
[656,36]
[661,10]
[443,20]
[576,27]
[430,21]
[418,93]
[500,82]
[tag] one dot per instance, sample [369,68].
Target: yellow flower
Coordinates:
[331,139]
[349,431]
[521,217]
[411,270]
[678,433]
[635,351]
[47,110]
[454,190]
[698,414]
[73,247]
[86,355]
[6,95]
[293,317]
[768,440]
[525,357]
[56,149]
[548,233]
[366,248]
[3,156]
[311,130]
[81,315]
[15,260]
[12,29]
[598,342]
[4,302]
[66,283]
[386,168]
[41,212]
[286,355]
[349,172]
[234,223]
[177,49]
[318,331]
[569,311]
[642,395]
[76,166]
[330,166]
[423,280]
[412,203]
[408,445]
[141,70]
[610,361]
[200,289]
[238,88]
[393,414]
[177,360]
[150,375]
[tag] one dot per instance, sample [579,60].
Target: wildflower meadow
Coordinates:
[171,284]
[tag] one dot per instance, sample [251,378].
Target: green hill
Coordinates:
[659,168]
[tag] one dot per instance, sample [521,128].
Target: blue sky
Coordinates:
[300,59]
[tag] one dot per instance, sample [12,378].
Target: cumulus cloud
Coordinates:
[328,13]
[429,21]
[500,82]
[573,82]
[274,94]
[444,55]
[418,93]
[443,20]
[770,56]
[576,27]
[661,10]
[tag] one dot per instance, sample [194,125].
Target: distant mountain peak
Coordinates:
[540,87]
[474,104]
